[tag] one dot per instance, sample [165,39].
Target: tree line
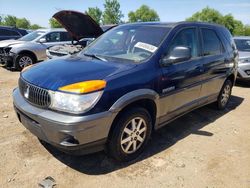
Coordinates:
[112,14]
[13,21]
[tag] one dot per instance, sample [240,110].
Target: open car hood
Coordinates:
[78,25]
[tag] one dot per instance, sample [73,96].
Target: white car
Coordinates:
[83,30]
[243,46]
[31,48]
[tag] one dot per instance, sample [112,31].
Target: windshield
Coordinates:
[129,43]
[32,36]
[243,44]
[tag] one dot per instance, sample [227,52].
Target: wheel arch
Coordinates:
[145,98]
[29,53]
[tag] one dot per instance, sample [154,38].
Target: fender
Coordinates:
[134,96]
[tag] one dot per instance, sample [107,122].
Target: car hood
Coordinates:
[78,25]
[6,43]
[243,55]
[59,72]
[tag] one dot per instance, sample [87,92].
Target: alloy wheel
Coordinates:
[25,61]
[133,135]
[225,94]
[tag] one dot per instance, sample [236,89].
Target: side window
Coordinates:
[186,38]
[65,36]
[53,37]
[13,33]
[6,32]
[211,43]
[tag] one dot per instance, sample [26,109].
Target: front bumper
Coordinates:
[244,71]
[7,59]
[72,134]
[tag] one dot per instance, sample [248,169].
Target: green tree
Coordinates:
[10,20]
[35,26]
[239,28]
[112,13]
[95,13]
[247,30]
[143,14]
[210,15]
[54,23]
[207,15]
[22,23]
[1,20]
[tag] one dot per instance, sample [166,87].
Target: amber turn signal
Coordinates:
[84,87]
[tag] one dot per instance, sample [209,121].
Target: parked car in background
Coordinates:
[130,81]
[83,30]
[243,45]
[31,48]
[11,33]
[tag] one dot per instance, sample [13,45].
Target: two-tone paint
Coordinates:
[167,92]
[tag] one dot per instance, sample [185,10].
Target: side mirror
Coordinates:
[42,40]
[178,54]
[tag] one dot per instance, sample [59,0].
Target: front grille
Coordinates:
[35,95]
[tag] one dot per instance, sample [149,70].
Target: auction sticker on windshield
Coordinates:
[145,46]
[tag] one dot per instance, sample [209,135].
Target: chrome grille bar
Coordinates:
[34,94]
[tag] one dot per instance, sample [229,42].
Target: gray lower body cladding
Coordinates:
[69,133]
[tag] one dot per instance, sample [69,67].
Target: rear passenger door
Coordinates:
[181,82]
[214,61]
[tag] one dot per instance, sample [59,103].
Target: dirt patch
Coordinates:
[205,148]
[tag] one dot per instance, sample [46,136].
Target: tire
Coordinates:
[130,150]
[23,60]
[224,95]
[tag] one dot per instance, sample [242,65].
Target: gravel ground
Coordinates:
[205,148]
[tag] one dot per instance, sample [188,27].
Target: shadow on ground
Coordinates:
[243,83]
[191,123]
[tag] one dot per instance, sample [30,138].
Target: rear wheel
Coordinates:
[130,135]
[23,60]
[224,95]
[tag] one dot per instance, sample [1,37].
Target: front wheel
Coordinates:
[130,135]
[224,95]
[23,60]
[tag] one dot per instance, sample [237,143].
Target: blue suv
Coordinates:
[132,80]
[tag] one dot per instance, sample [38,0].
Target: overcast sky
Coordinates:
[39,12]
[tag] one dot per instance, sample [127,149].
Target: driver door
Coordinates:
[181,81]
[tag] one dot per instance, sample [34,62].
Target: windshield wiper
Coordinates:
[95,56]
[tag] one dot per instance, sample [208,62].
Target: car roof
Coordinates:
[174,24]
[51,29]
[242,37]
[22,31]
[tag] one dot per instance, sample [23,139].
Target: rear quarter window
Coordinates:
[212,44]
[229,41]
[6,32]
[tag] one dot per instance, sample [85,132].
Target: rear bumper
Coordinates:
[72,134]
[243,71]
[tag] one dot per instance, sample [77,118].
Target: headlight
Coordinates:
[74,103]
[78,97]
